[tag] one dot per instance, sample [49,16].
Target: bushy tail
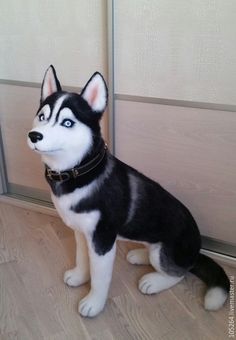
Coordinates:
[217,282]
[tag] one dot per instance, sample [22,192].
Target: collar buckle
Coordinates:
[57,176]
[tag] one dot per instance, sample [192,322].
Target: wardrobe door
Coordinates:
[72,37]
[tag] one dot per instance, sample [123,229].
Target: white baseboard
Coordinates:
[224,259]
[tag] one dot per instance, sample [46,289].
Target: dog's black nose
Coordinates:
[35,136]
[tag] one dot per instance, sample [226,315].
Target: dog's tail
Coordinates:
[217,282]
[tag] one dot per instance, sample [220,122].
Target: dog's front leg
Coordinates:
[101,267]
[80,273]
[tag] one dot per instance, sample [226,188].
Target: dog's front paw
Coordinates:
[75,277]
[91,305]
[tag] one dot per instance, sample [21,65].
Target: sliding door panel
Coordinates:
[190,152]
[71,36]
[176,49]
[20,105]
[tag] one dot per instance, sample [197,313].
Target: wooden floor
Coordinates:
[36,249]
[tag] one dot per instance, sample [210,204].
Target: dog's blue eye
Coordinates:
[41,117]
[67,123]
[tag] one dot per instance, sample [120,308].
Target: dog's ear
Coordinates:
[95,93]
[50,83]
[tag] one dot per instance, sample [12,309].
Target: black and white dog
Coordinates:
[103,199]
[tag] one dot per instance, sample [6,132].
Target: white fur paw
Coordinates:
[156,282]
[91,305]
[148,284]
[75,277]
[138,256]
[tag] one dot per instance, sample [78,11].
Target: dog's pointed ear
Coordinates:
[50,83]
[95,93]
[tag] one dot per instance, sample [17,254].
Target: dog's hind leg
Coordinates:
[167,276]
[80,274]
[138,256]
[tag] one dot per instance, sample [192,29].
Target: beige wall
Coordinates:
[69,34]
[172,49]
[34,34]
[23,165]
[190,152]
[180,50]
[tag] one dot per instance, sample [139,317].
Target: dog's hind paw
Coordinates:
[75,277]
[138,256]
[148,284]
[156,282]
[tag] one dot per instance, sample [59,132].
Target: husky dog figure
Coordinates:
[103,199]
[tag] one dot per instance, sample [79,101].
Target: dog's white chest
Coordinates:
[85,222]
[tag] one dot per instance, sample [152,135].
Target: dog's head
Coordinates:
[67,124]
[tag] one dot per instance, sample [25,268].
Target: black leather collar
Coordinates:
[77,171]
